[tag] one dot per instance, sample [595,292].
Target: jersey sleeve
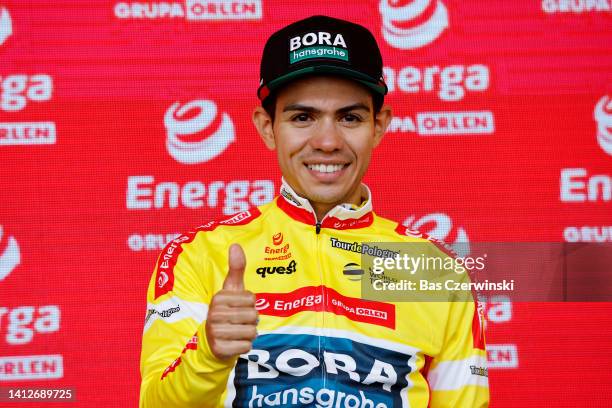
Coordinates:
[458,376]
[177,367]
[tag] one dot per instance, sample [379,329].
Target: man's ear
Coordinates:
[263,124]
[381,122]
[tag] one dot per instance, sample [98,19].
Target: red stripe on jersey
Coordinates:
[164,278]
[336,223]
[192,344]
[324,299]
[171,368]
[403,230]
[305,216]
[478,326]
[441,245]
[299,214]
[425,373]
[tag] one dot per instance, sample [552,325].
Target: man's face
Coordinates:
[324,132]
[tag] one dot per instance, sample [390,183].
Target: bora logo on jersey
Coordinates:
[306,370]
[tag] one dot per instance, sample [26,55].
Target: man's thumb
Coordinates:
[236,263]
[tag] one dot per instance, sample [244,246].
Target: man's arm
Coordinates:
[178,366]
[458,376]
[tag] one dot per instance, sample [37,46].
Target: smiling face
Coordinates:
[324,131]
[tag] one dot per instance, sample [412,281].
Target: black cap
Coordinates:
[321,45]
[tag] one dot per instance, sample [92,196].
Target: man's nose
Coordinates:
[327,136]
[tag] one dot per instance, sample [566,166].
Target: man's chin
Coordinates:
[325,197]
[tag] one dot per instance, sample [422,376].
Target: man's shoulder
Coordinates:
[394,231]
[223,228]
[236,224]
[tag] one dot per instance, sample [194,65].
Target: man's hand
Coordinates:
[231,325]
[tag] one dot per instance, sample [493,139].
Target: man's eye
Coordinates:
[300,117]
[351,117]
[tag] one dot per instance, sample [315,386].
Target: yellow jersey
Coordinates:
[319,343]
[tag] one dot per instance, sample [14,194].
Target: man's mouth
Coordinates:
[326,168]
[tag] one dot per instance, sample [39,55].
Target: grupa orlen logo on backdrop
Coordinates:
[603,117]
[6,28]
[197,132]
[412,24]
[191,10]
[10,256]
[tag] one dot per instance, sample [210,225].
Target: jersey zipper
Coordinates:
[320,262]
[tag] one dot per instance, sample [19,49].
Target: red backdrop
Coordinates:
[124,123]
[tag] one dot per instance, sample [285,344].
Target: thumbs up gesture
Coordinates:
[231,325]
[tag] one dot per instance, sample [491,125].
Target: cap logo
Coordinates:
[317,45]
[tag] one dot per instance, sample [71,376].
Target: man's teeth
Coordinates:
[326,168]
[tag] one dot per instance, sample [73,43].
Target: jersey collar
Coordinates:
[342,216]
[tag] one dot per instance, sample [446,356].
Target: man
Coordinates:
[301,335]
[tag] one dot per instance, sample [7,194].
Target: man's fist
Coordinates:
[231,325]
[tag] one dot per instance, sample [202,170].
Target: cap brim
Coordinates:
[378,87]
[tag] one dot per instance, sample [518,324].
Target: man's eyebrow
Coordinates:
[310,109]
[298,107]
[356,106]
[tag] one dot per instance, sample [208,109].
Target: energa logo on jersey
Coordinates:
[603,117]
[10,256]
[412,24]
[6,28]
[440,226]
[197,132]
[284,370]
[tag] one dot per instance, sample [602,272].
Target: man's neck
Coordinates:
[321,209]
[358,202]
